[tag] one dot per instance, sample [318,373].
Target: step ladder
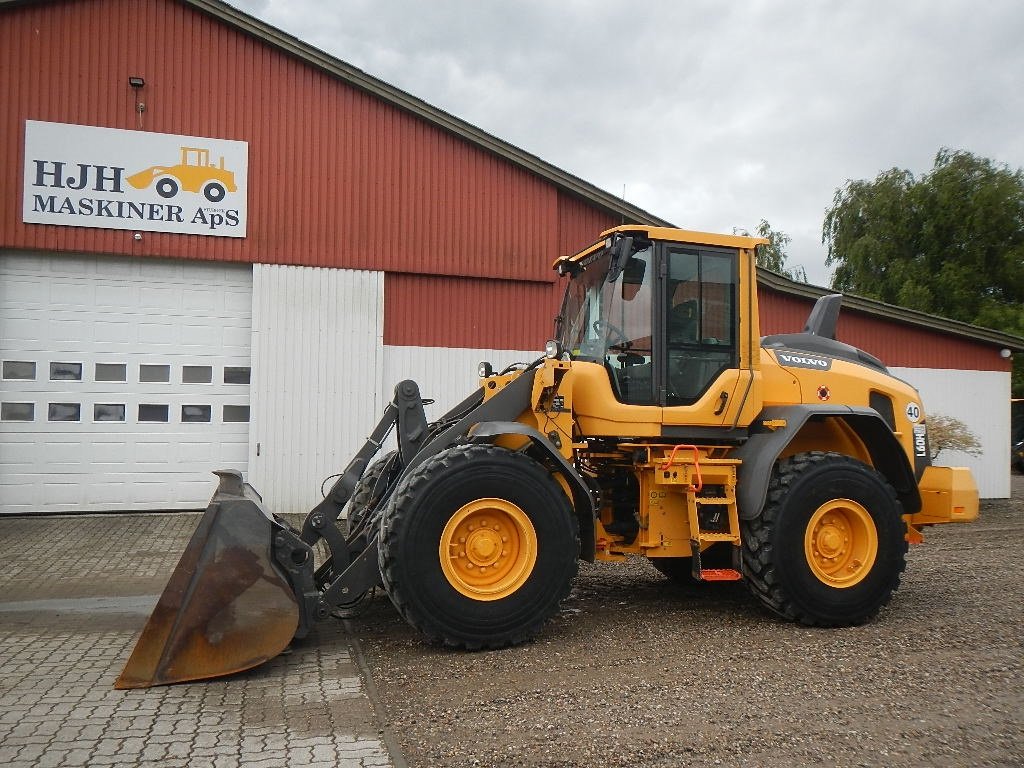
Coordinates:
[684,466]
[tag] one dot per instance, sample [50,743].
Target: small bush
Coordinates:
[948,433]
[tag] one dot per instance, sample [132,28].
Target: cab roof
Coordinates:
[670,234]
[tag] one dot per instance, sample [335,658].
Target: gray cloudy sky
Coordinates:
[712,115]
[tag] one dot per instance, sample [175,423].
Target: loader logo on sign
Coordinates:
[84,176]
[194,173]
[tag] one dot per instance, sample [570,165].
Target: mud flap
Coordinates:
[227,606]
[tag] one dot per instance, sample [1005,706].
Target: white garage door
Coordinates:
[124,381]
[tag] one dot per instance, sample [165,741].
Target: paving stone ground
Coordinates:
[74,593]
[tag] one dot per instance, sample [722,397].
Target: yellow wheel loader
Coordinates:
[658,423]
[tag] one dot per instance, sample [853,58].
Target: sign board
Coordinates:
[85,176]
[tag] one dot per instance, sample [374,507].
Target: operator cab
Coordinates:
[661,316]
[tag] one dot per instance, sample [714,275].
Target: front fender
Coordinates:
[583,499]
[763,449]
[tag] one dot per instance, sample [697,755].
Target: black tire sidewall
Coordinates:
[362,499]
[410,555]
[214,192]
[166,188]
[838,478]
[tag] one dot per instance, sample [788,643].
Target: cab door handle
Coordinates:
[723,398]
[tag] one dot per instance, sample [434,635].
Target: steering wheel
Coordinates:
[606,329]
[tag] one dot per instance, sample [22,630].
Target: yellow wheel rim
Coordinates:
[841,543]
[488,549]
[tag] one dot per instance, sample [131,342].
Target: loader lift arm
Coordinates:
[349,571]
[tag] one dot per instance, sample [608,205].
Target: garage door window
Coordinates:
[153,412]
[196,414]
[111,372]
[17,411]
[19,370]
[196,374]
[155,374]
[236,413]
[64,412]
[108,412]
[236,375]
[65,371]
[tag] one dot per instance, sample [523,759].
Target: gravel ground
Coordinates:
[636,671]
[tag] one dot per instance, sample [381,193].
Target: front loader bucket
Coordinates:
[227,606]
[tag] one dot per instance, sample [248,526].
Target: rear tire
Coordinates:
[829,546]
[214,192]
[366,494]
[479,545]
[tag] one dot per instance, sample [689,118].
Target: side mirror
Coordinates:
[634,272]
[622,249]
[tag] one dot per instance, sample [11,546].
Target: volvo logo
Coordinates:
[803,361]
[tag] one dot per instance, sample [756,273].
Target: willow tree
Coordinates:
[950,242]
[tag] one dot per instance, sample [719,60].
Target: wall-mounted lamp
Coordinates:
[1005,354]
[137,83]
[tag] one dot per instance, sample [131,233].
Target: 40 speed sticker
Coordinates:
[913,412]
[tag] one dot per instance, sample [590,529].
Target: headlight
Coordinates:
[552,349]
[484,369]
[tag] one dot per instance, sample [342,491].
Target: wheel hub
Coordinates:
[841,543]
[483,547]
[488,549]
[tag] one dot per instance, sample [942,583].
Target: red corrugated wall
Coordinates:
[433,311]
[895,344]
[337,177]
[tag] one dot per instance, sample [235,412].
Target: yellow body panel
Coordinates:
[845,383]
[948,495]
[599,413]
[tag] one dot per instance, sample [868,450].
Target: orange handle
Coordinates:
[696,464]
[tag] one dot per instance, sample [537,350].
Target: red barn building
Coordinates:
[221,247]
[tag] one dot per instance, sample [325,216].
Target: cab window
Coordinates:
[700,321]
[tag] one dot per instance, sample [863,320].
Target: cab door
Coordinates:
[701,380]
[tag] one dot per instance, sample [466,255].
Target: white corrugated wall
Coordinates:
[316,389]
[444,374]
[981,400]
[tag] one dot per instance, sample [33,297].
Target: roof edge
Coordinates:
[413,105]
[775,281]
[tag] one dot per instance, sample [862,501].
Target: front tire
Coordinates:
[829,546]
[167,188]
[479,546]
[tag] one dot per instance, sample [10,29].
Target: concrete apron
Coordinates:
[74,594]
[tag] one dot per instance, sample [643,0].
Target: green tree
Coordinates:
[950,243]
[773,255]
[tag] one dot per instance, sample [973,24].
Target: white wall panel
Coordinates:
[981,400]
[316,389]
[444,374]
